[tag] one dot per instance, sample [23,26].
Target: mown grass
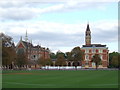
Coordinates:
[61,79]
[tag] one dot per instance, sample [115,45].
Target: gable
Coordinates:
[20,45]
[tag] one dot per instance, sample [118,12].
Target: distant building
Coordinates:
[91,49]
[33,53]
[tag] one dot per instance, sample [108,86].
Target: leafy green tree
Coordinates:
[52,56]
[48,62]
[60,53]
[119,62]
[60,60]
[77,56]
[44,62]
[96,59]
[115,61]
[113,56]
[69,56]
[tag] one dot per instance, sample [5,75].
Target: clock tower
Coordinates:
[88,35]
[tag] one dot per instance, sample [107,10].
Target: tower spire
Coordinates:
[88,35]
[88,28]
[31,41]
[26,36]
[21,38]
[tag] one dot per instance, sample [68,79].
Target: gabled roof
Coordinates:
[27,44]
[30,45]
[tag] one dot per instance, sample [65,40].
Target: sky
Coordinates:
[61,24]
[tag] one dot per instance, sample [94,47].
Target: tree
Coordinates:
[119,61]
[8,56]
[60,53]
[52,56]
[6,40]
[115,63]
[44,62]
[60,60]
[112,59]
[69,56]
[96,59]
[76,56]
[41,61]
[21,58]
[8,51]
[5,56]
[48,62]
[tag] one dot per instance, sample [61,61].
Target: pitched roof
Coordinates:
[27,44]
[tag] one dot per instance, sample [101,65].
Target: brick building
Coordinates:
[91,49]
[33,53]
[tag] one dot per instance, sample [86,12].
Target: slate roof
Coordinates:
[27,44]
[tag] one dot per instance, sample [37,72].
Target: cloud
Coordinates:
[18,16]
[24,10]
[59,35]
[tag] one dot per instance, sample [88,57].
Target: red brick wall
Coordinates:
[104,63]
[104,57]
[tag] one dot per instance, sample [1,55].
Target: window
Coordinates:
[101,57]
[92,56]
[20,51]
[87,51]
[93,64]
[104,51]
[34,56]
[96,50]
[90,51]
[83,50]
[100,51]
[86,63]
[93,50]
[87,57]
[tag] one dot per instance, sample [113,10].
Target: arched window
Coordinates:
[69,64]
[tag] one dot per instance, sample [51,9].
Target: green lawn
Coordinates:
[60,79]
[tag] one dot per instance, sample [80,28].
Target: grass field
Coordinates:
[60,79]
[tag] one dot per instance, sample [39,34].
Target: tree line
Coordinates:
[10,57]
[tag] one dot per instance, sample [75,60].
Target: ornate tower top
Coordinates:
[88,35]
